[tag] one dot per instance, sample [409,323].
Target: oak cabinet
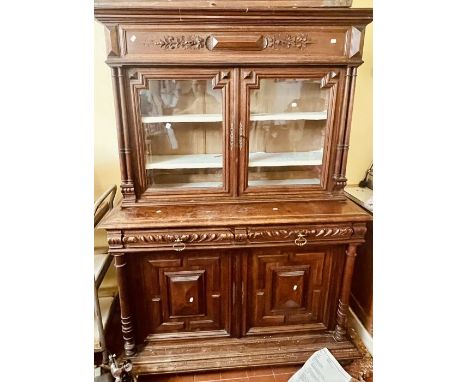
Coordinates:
[234,244]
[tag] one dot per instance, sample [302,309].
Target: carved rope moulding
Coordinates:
[186,238]
[309,233]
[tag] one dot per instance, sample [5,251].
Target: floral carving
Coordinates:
[178,42]
[299,41]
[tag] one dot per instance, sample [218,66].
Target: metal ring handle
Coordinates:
[300,240]
[178,245]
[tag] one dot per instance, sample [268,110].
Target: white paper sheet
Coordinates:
[321,367]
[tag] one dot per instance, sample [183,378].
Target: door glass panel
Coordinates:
[288,118]
[183,128]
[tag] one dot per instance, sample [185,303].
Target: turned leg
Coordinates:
[343,303]
[126,317]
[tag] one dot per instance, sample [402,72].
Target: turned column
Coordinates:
[125,311]
[343,303]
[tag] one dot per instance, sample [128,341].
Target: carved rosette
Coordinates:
[299,41]
[177,42]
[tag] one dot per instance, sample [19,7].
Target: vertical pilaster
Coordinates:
[339,175]
[125,309]
[128,188]
[343,303]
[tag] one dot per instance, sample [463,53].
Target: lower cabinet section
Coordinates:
[198,294]
[175,295]
[291,290]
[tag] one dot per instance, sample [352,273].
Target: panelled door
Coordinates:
[178,294]
[182,124]
[289,289]
[286,129]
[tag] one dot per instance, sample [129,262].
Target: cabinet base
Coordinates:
[170,356]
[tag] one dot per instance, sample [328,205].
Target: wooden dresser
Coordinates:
[234,244]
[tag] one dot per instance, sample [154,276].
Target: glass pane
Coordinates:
[287,132]
[183,127]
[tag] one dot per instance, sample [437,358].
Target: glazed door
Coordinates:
[182,123]
[290,290]
[179,295]
[286,130]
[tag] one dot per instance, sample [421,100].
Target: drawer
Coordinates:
[300,235]
[251,44]
[177,240]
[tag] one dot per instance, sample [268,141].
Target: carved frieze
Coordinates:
[299,41]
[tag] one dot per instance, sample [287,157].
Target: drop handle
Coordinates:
[178,245]
[300,240]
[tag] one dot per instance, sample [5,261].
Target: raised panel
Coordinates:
[186,292]
[182,293]
[287,288]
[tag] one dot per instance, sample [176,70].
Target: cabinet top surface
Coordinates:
[319,10]
[218,215]
[224,4]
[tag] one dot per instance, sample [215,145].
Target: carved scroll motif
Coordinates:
[177,42]
[299,41]
[186,238]
[318,233]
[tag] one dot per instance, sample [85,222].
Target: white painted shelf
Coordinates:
[307,158]
[309,116]
[184,118]
[283,182]
[189,185]
[259,159]
[168,162]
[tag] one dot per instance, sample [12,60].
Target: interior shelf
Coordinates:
[190,185]
[310,116]
[167,162]
[280,182]
[258,159]
[307,158]
[184,118]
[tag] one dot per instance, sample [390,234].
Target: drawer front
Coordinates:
[177,240]
[290,289]
[299,235]
[252,44]
[178,294]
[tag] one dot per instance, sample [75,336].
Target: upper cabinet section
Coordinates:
[223,101]
[222,35]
